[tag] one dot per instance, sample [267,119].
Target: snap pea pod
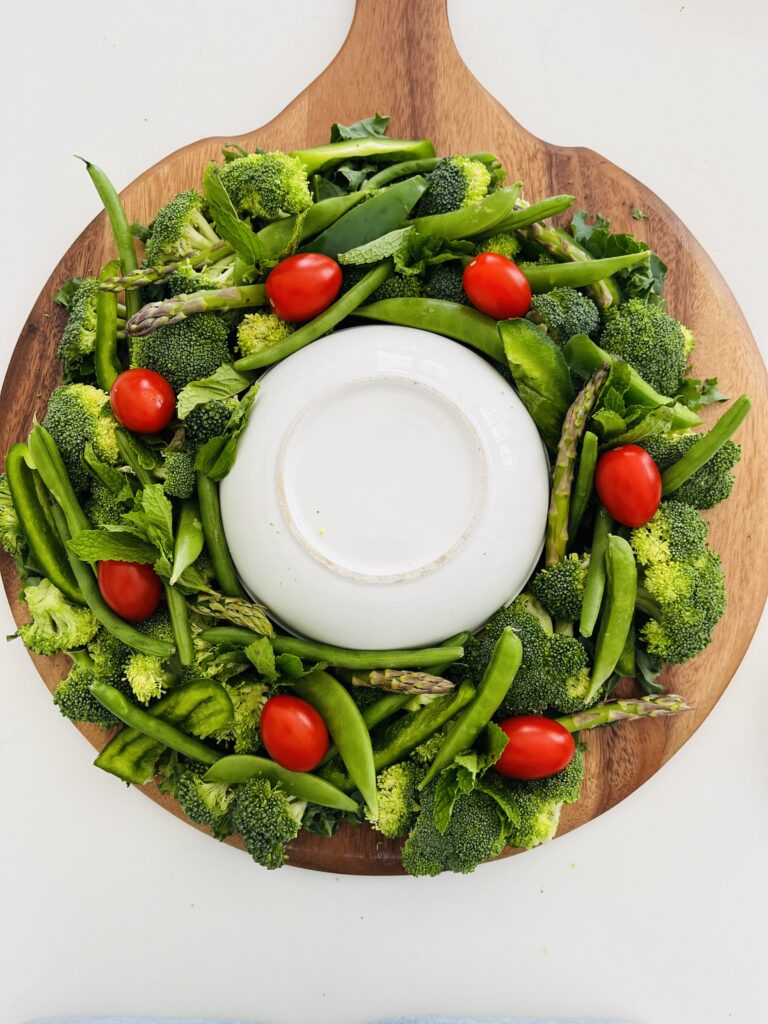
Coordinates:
[578,275]
[105,359]
[584,483]
[240,767]
[43,542]
[476,219]
[215,541]
[379,148]
[376,217]
[625,666]
[532,213]
[451,319]
[621,593]
[200,707]
[594,584]
[711,442]
[402,170]
[497,679]
[277,235]
[49,465]
[189,540]
[347,728]
[584,357]
[323,323]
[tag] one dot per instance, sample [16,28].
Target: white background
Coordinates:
[655,913]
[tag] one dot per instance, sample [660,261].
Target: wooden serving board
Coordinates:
[399,59]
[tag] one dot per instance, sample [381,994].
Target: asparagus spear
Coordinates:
[398,681]
[155,315]
[653,706]
[149,275]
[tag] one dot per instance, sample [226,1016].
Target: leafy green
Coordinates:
[466,774]
[67,292]
[618,422]
[368,128]
[223,383]
[217,456]
[232,229]
[112,546]
[696,393]
[642,282]
[262,657]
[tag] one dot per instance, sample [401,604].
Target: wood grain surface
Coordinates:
[399,59]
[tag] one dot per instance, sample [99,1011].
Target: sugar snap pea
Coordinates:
[105,360]
[625,666]
[238,768]
[189,540]
[402,170]
[50,466]
[215,541]
[476,219]
[594,584]
[275,237]
[347,729]
[497,679]
[373,147]
[615,623]
[578,275]
[531,213]
[584,482]
[711,442]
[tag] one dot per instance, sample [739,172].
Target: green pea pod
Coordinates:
[402,170]
[44,544]
[105,360]
[584,357]
[476,219]
[49,465]
[179,615]
[621,593]
[323,323]
[711,443]
[625,666]
[240,767]
[497,679]
[578,275]
[375,147]
[200,707]
[379,215]
[527,215]
[215,541]
[541,376]
[594,584]
[584,483]
[347,729]
[275,237]
[189,538]
[451,319]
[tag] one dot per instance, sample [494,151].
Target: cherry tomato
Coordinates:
[131,590]
[628,483]
[294,733]
[536,747]
[497,286]
[142,400]
[303,286]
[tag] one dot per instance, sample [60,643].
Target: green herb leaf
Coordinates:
[642,282]
[65,294]
[696,393]
[262,657]
[446,794]
[216,457]
[369,128]
[231,228]
[222,384]
[112,546]
[117,483]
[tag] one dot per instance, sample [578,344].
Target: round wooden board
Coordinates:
[400,59]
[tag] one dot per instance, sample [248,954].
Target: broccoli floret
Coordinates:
[179,229]
[74,699]
[186,278]
[399,286]
[565,312]
[102,508]
[397,791]
[258,331]
[248,700]
[456,181]
[205,803]
[650,340]
[503,244]
[560,589]
[267,185]
[554,672]
[183,352]
[683,581]
[540,802]
[79,336]
[475,833]
[208,420]
[78,413]
[427,751]
[57,625]
[178,473]
[265,818]
[147,675]
[445,282]
[11,537]
[109,655]
[709,485]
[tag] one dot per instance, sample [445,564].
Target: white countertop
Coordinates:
[655,913]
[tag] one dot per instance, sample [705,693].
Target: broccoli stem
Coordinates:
[709,445]
[155,315]
[150,275]
[630,708]
[574,426]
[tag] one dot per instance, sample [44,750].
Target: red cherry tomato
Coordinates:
[294,733]
[497,286]
[131,590]
[303,286]
[142,400]
[536,747]
[628,483]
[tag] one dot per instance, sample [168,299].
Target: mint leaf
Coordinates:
[446,794]
[369,128]
[216,457]
[112,546]
[232,229]
[223,383]
[262,657]
[379,249]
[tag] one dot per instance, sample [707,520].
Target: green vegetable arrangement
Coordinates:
[598,361]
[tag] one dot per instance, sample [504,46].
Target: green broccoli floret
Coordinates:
[258,331]
[147,675]
[57,625]
[248,700]
[682,581]
[399,286]
[560,589]
[79,336]
[11,537]
[73,695]
[266,819]
[554,672]
[179,229]
[207,420]
[109,655]
[397,791]
[456,181]
[445,282]
[205,803]
[102,507]
[476,832]
[540,802]
[78,413]
[651,341]
[503,244]
[426,753]
[565,312]
[178,473]
[709,485]
[267,185]
[186,278]
[183,352]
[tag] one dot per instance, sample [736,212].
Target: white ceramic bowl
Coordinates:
[390,490]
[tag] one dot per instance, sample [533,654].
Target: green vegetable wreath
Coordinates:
[111,510]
